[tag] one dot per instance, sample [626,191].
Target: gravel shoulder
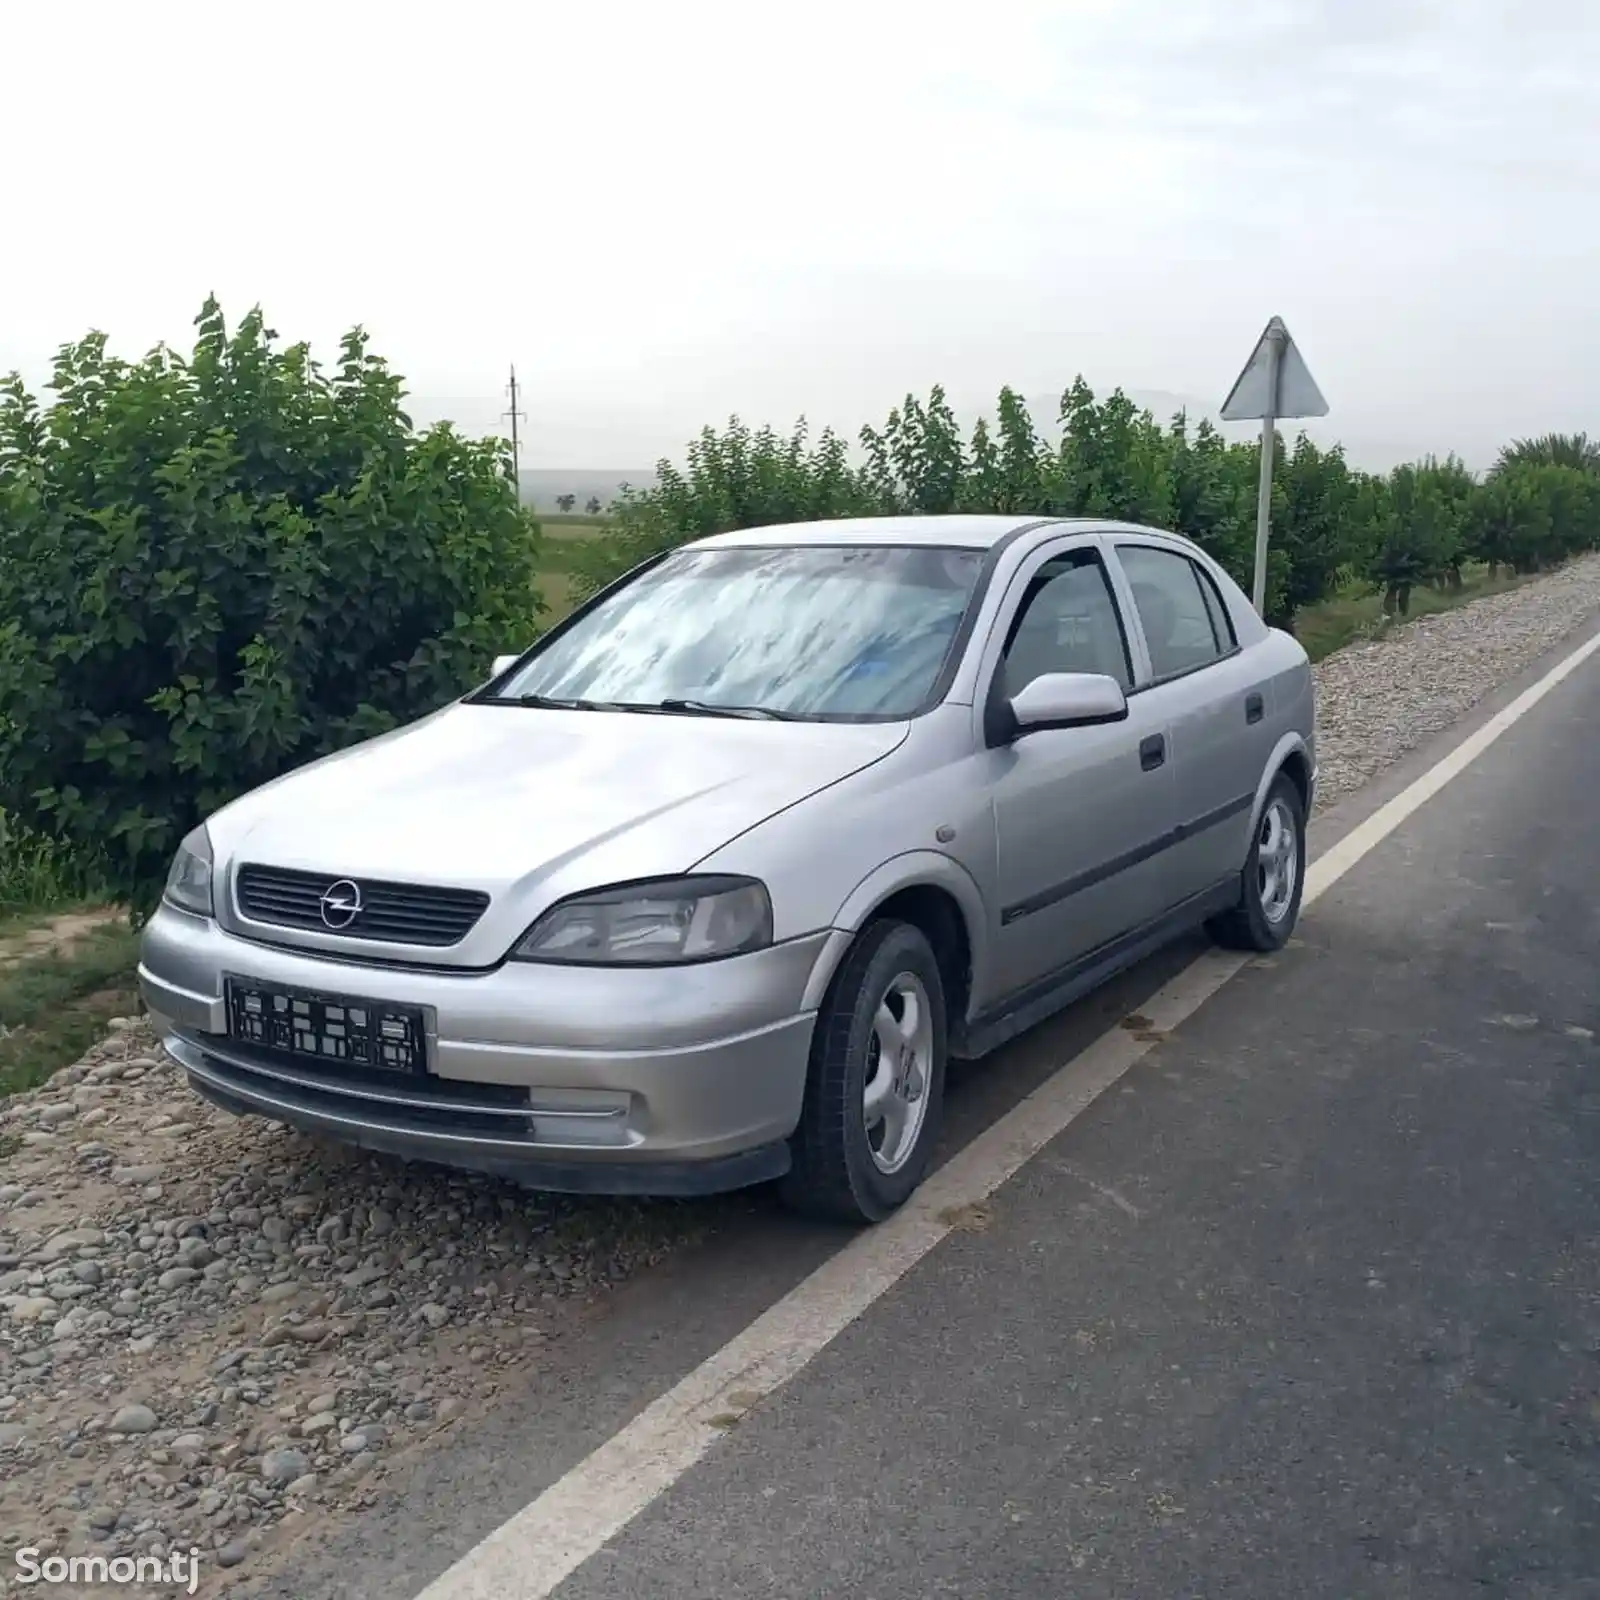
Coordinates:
[221,1333]
[1378,700]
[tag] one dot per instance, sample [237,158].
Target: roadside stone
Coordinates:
[144,1173]
[177,1277]
[133,1419]
[33,1309]
[66,1244]
[297,1333]
[234,1553]
[282,1467]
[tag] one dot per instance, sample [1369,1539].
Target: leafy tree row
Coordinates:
[1331,524]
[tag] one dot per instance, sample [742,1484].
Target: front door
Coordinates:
[1080,813]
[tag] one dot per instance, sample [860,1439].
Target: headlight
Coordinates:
[671,921]
[189,880]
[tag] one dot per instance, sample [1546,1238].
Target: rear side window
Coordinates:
[1185,624]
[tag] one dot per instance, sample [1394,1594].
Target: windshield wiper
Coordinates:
[704,708]
[690,708]
[546,702]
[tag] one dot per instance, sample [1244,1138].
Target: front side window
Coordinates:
[813,632]
[1067,622]
[1177,621]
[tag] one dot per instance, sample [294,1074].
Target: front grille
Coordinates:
[397,913]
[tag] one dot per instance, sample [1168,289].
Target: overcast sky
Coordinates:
[669,210]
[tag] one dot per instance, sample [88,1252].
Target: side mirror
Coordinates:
[502,664]
[1068,700]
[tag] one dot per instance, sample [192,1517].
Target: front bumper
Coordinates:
[673,1080]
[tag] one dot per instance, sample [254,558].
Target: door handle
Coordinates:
[1152,752]
[1254,708]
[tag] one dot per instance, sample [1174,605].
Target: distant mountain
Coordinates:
[541,486]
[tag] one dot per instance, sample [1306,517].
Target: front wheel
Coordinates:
[1273,878]
[875,1093]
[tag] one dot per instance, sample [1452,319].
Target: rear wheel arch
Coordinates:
[1291,758]
[1296,766]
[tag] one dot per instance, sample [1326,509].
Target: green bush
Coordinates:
[218,568]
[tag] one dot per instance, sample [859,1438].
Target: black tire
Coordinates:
[834,1175]
[1247,926]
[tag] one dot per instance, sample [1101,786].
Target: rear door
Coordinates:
[1079,812]
[1210,695]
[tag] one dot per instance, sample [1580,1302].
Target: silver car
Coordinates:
[705,888]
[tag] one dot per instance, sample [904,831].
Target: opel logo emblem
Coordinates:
[341,903]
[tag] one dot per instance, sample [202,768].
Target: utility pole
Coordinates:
[516,440]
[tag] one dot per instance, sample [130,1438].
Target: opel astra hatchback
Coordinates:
[706,887]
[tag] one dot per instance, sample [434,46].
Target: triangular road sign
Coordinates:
[1298,394]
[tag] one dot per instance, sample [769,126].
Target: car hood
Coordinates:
[533,805]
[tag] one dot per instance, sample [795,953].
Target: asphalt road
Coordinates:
[1309,1304]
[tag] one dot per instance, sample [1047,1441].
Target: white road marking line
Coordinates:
[528,1556]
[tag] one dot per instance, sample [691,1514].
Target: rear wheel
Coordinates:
[1273,878]
[875,1093]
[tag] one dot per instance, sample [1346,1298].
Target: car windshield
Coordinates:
[799,631]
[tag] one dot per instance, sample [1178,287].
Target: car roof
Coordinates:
[955,532]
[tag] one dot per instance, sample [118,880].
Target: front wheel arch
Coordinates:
[936,895]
